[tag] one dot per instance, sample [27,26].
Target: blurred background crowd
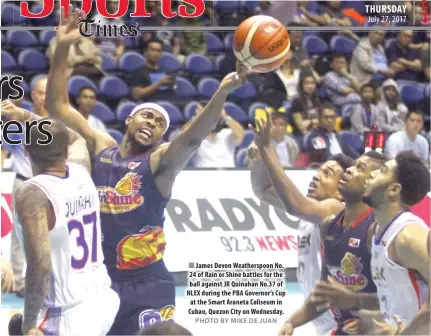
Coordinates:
[334,87]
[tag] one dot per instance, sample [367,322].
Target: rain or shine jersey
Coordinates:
[132,214]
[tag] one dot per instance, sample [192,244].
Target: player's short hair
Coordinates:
[343,160]
[278,115]
[15,324]
[367,85]
[379,159]
[165,328]
[414,177]
[335,56]
[53,152]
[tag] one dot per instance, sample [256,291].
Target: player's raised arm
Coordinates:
[177,154]
[35,214]
[411,252]
[57,96]
[293,200]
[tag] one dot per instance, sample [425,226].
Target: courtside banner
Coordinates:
[213,217]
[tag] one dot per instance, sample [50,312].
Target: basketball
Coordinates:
[261,43]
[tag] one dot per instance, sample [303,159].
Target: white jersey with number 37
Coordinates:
[401,291]
[78,271]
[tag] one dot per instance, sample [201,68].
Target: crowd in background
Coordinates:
[333,88]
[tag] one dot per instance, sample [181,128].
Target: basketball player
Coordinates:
[399,249]
[135,181]
[322,200]
[355,221]
[58,225]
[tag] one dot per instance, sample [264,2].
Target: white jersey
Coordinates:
[401,292]
[308,271]
[78,271]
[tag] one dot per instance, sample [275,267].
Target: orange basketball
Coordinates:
[261,43]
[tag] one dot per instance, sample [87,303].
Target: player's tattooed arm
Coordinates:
[411,251]
[35,213]
[170,160]
[57,96]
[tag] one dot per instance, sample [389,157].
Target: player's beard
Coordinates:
[376,197]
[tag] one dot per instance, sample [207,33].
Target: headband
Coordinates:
[152,106]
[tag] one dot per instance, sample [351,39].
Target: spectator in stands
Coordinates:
[391,112]
[425,58]
[218,149]
[38,97]
[283,11]
[149,82]
[303,114]
[84,58]
[369,61]
[305,17]
[364,115]
[409,138]
[284,145]
[86,102]
[110,46]
[192,41]
[281,84]
[165,328]
[325,142]
[170,39]
[300,57]
[333,14]
[404,60]
[342,87]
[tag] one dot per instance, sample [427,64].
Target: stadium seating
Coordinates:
[104,113]
[131,61]
[240,158]
[342,45]
[248,139]
[184,88]
[7,62]
[353,139]
[228,40]
[190,110]
[112,87]
[198,64]
[124,109]
[116,134]
[77,82]
[169,63]
[207,87]
[412,94]
[19,39]
[32,60]
[235,112]
[214,44]
[175,115]
[46,36]
[245,92]
[108,63]
[315,45]
[10,15]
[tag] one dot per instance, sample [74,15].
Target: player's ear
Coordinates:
[128,120]
[394,189]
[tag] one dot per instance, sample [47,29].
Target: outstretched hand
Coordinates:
[236,79]
[262,131]
[68,30]
[10,110]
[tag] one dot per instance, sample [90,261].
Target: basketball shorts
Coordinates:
[93,316]
[142,304]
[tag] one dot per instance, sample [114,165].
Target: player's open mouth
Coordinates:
[343,180]
[312,186]
[146,132]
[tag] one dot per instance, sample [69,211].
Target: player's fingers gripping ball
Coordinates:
[261,43]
